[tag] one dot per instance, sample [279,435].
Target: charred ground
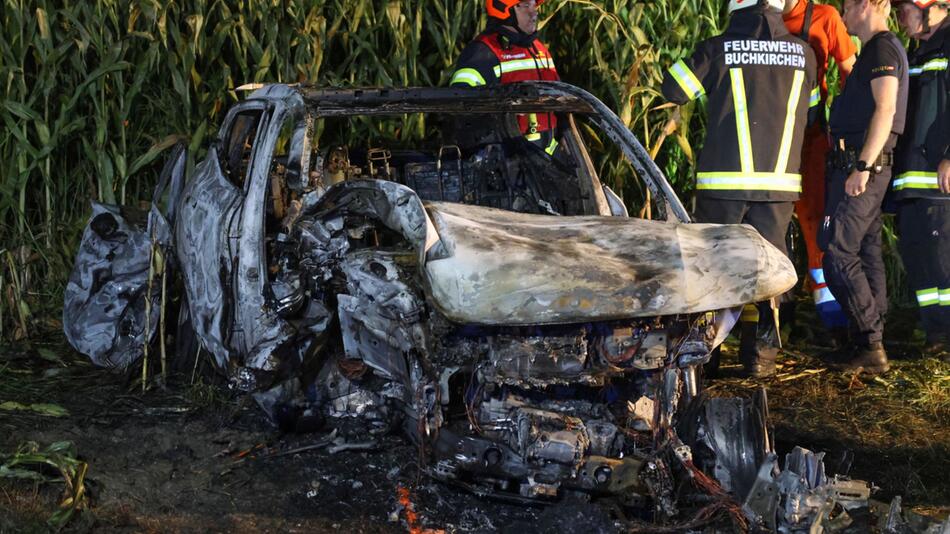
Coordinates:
[191,456]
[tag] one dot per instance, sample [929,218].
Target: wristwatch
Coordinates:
[862,166]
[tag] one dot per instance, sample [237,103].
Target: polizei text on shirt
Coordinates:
[751,52]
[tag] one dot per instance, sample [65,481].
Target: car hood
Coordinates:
[507,268]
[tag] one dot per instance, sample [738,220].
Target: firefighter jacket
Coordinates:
[760,83]
[501,55]
[926,138]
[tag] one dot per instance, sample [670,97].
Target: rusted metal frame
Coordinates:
[516,98]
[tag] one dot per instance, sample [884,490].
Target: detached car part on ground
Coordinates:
[493,303]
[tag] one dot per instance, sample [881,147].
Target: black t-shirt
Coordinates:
[851,111]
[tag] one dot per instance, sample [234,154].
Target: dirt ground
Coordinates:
[193,457]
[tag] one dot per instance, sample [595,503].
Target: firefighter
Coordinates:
[509,51]
[760,82]
[922,169]
[821,26]
[865,121]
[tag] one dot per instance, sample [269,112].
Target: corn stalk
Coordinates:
[90,92]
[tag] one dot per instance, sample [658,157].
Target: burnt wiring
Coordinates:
[723,500]
[470,398]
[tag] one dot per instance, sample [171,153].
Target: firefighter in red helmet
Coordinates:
[509,51]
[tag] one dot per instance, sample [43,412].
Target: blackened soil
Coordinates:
[192,457]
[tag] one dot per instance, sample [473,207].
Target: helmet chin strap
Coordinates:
[926,18]
[511,23]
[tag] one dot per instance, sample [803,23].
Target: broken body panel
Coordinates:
[479,297]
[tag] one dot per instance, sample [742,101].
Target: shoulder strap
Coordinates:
[540,47]
[492,42]
[806,24]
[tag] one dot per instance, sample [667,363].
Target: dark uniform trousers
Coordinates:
[757,339]
[924,228]
[853,264]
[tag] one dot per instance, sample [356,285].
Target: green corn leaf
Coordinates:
[21,110]
[153,152]
[50,410]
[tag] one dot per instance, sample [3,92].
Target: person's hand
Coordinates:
[857,183]
[943,175]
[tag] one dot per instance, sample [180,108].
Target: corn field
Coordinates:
[95,90]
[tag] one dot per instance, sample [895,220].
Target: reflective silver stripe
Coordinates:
[781,163]
[754,181]
[822,295]
[933,64]
[467,76]
[687,80]
[742,121]
[928,297]
[523,64]
[915,180]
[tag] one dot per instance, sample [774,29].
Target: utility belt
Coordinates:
[845,158]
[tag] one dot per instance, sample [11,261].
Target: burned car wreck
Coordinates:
[492,302]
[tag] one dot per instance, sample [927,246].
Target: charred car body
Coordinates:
[494,303]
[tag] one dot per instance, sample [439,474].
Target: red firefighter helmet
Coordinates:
[501,9]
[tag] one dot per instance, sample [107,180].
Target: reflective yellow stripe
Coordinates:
[467,76]
[933,64]
[928,297]
[750,314]
[552,146]
[523,64]
[533,122]
[687,80]
[532,134]
[915,180]
[751,181]
[815,98]
[945,297]
[742,121]
[781,164]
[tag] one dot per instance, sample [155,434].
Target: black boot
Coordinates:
[711,369]
[841,347]
[936,347]
[758,348]
[869,358]
[840,338]
[761,366]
